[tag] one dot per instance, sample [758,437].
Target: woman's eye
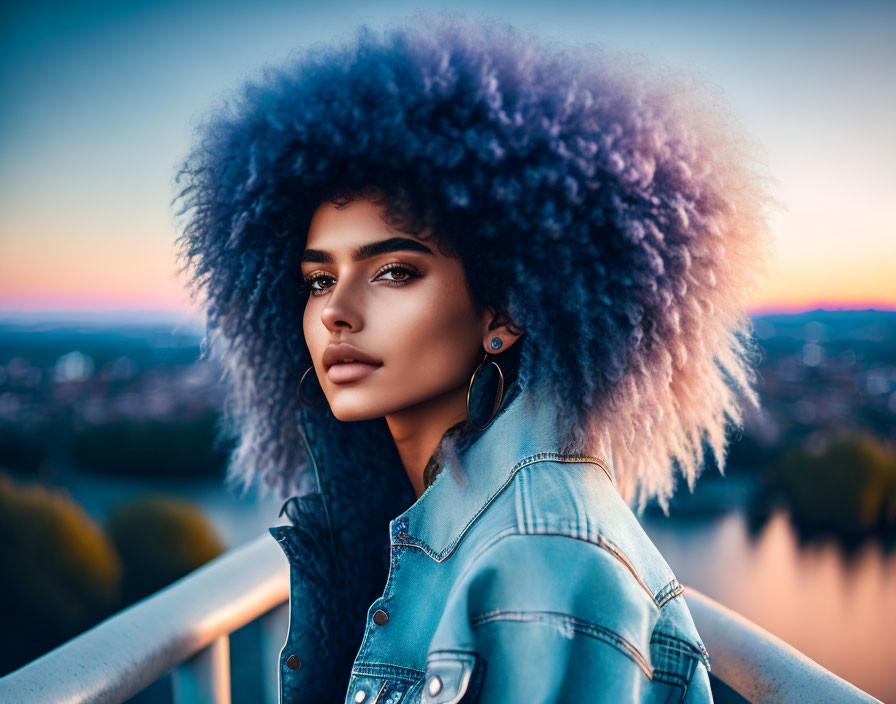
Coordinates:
[394,275]
[403,274]
[310,281]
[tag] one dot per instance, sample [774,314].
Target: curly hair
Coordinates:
[616,212]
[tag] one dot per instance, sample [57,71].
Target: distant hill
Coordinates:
[840,323]
[870,324]
[94,321]
[43,337]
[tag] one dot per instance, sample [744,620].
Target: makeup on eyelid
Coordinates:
[411,273]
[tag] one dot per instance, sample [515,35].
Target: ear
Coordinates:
[498,325]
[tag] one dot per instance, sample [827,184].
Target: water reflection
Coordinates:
[836,606]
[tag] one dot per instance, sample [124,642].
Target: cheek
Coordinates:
[436,336]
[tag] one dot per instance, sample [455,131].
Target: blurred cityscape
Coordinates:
[824,444]
[803,520]
[78,397]
[826,371]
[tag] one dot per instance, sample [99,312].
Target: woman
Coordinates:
[475,297]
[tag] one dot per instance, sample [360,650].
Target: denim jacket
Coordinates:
[518,576]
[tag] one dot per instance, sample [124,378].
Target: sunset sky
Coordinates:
[100,98]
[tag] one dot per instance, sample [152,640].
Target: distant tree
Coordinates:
[180,447]
[745,454]
[160,539]
[21,447]
[61,574]
[849,486]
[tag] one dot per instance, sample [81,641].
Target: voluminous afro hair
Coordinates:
[613,210]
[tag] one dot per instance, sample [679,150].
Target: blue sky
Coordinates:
[100,100]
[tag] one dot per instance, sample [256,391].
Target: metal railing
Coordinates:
[185,627]
[760,667]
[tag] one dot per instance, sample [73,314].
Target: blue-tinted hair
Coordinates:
[613,210]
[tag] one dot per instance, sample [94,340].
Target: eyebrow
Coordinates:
[365,251]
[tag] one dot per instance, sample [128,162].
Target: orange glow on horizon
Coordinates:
[46,265]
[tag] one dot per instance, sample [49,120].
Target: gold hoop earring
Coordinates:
[498,396]
[304,397]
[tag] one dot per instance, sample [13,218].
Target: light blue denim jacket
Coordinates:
[524,577]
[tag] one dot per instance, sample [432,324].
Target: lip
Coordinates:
[346,372]
[340,371]
[334,354]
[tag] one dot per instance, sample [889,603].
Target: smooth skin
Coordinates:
[418,319]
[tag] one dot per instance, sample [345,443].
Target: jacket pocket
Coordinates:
[453,677]
[376,690]
[675,663]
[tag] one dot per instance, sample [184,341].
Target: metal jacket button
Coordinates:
[293,662]
[380,617]
[360,696]
[435,685]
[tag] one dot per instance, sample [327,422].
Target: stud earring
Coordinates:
[496,343]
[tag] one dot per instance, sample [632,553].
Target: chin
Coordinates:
[345,408]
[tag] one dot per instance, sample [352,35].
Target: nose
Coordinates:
[343,308]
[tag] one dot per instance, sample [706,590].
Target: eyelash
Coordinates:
[307,281]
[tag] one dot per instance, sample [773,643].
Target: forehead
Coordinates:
[339,228]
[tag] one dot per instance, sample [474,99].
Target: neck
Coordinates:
[418,429]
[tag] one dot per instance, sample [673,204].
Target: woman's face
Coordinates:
[394,298]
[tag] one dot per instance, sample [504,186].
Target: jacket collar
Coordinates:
[525,431]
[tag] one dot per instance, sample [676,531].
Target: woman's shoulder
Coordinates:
[560,534]
[576,499]
[556,569]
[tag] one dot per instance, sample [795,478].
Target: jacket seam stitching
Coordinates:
[377,669]
[538,527]
[522,489]
[455,654]
[526,461]
[601,542]
[522,509]
[579,625]
[681,645]
[676,679]
[673,588]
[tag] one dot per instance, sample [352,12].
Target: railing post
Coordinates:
[204,678]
